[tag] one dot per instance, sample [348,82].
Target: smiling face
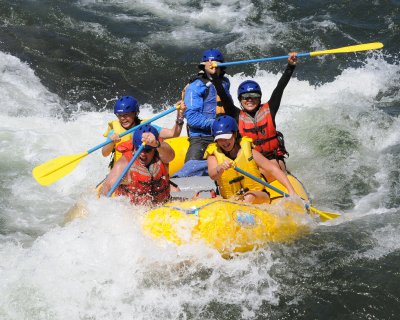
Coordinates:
[127,120]
[226,144]
[250,101]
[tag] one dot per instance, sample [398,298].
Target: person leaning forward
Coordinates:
[147,181]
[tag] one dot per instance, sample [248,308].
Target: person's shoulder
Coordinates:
[120,164]
[196,83]
[197,86]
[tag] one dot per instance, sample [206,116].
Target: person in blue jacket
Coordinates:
[203,104]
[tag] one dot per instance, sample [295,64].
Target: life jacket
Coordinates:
[118,129]
[231,182]
[262,131]
[148,185]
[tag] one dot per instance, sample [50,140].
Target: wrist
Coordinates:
[158,144]
[179,121]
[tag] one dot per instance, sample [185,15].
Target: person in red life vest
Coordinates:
[257,120]
[230,148]
[147,181]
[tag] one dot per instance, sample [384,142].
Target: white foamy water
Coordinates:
[186,25]
[104,267]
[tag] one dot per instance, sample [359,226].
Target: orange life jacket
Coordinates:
[262,131]
[148,185]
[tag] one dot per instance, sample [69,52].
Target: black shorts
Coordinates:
[197,147]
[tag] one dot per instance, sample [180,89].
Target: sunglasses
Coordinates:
[250,95]
[124,115]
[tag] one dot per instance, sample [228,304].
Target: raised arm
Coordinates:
[276,97]
[226,98]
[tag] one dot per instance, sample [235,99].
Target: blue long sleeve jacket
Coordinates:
[201,103]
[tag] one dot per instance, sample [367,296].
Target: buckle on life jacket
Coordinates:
[237,179]
[255,129]
[262,141]
[242,191]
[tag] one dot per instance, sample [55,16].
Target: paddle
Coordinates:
[323,214]
[53,170]
[355,48]
[116,184]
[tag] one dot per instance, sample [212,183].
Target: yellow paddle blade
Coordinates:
[359,47]
[52,170]
[324,215]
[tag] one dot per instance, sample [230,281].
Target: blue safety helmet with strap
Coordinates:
[223,127]
[248,86]
[213,55]
[126,104]
[137,136]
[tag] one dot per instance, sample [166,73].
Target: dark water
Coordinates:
[341,122]
[102,49]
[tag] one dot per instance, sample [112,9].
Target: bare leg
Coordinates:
[282,165]
[256,197]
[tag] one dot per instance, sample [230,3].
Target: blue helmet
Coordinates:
[212,54]
[248,86]
[126,104]
[137,136]
[223,127]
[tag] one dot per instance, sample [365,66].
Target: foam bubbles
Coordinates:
[102,266]
[21,90]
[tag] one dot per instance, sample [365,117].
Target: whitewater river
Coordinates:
[62,65]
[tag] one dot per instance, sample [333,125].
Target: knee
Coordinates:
[249,197]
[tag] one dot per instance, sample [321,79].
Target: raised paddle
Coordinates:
[116,184]
[323,214]
[53,170]
[355,48]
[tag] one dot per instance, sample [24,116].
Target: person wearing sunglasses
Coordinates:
[147,181]
[257,120]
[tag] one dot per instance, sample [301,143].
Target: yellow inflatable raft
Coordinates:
[229,226]
[180,146]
